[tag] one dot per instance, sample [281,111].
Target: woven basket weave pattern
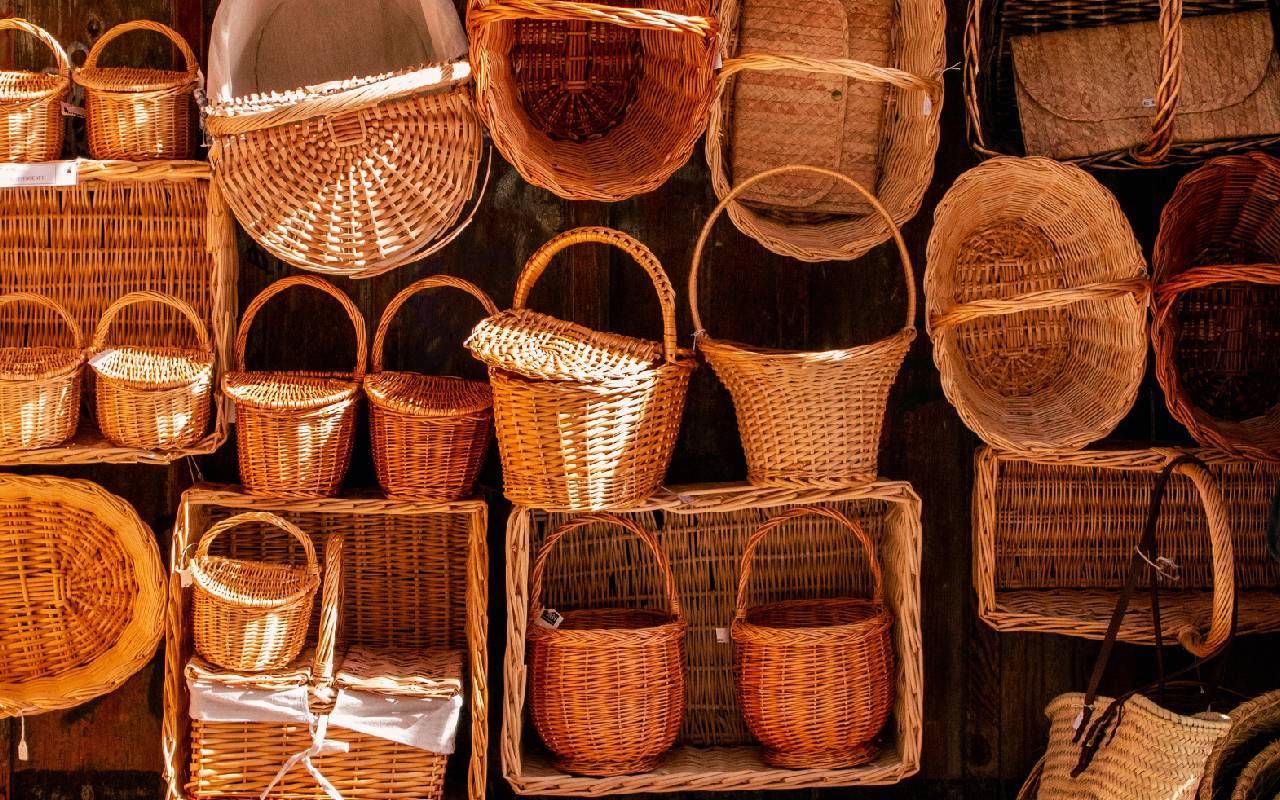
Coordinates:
[31,102]
[40,386]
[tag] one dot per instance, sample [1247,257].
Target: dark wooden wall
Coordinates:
[984,692]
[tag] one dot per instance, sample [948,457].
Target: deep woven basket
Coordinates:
[31,102]
[40,386]
[1255,727]
[606,685]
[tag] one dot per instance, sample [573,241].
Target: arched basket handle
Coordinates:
[568,11]
[135,298]
[435,281]
[188,56]
[267,518]
[353,313]
[60,59]
[77,335]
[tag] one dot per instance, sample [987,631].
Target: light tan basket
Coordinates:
[40,386]
[31,102]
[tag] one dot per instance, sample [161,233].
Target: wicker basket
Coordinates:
[295,429]
[648,100]
[31,102]
[429,432]
[40,385]
[154,398]
[139,114]
[585,420]
[807,418]
[1255,726]
[1260,778]
[1216,327]
[606,685]
[1037,297]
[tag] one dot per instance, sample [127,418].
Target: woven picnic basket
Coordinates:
[294,429]
[430,432]
[808,418]
[814,678]
[1255,726]
[31,102]
[1216,328]
[154,398]
[585,420]
[1036,293]
[139,114]
[606,685]
[40,385]
[594,101]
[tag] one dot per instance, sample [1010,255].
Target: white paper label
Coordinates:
[48,173]
[550,618]
[23,755]
[722,635]
[184,578]
[928,105]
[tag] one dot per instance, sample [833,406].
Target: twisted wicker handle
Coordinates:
[540,562]
[1222,554]
[1045,299]
[972,58]
[77,335]
[857,70]
[566,10]
[192,63]
[1167,291]
[134,298]
[642,255]
[330,608]
[380,337]
[775,522]
[353,313]
[908,273]
[59,54]
[266,517]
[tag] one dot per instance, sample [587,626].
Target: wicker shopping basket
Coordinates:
[31,102]
[810,418]
[294,429]
[585,420]
[40,385]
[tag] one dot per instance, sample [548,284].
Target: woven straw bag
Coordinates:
[606,685]
[1037,295]
[294,429]
[585,420]
[1260,778]
[154,398]
[251,615]
[31,102]
[429,432]
[1255,728]
[1216,327]
[648,94]
[139,114]
[40,386]
[814,678]
[807,418]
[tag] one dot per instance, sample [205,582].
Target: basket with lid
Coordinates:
[40,386]
[31,102]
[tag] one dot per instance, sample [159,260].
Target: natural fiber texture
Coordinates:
[1036,293]
[585,420]
[1255,726]
[808,418]
[294,429]
[1260,779]
[31,102]
[430,432]
[139,114]
[703,532]
[39,384]
[81,593]
[1216,328]
[610,154]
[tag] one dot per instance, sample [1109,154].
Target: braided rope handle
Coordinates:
[330,611]
[353,313]
[856,70]
[773,523]
[60,58]
[568,11]
[540,562]
[972,59]
[541,259]
[77,335]
[1222,554]
[1044,299]
[267,518]
[435,281]
[134,298]
[192,71]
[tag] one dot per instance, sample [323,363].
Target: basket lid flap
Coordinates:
[279,391]
[540,346]
[35,363]
[427,395]
[153,367]
[402,672]
[296,674]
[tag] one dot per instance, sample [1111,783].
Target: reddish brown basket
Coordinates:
[31,102]
[40,386]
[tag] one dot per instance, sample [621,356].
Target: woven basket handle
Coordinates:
[541,259]
[380,337]
[1158,144]
[353,313]
[77,335]
[857,70]
[134,298]
[61,61]
[777,521]
[540,562]
[188,56]
[1223,556]
[568,11]
[1034,301]
[330,611]
[267,518]
[972,61]
[908,273]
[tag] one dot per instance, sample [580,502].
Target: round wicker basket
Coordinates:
[31,102]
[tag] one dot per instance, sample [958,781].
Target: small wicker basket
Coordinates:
[31,102]
[429,432]
[139,114]
[252,615]
[40,386]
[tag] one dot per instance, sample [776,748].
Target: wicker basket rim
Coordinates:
[297,673]
[612,638]
[133,366]
[132,80]
[400,392]
[315,389]
[685,361]
[877,620]
[50,87]
[779,355]
[305,581]
[1143,704]
[66,360]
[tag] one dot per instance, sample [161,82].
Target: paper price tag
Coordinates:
[184,578]
[550,618]
[722,635]
[48,173]
[1148,102]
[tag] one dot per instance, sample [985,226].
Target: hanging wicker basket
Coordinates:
[429,432]
[807,418]
[31,102]
[40,386]
[606,685]
[294,429]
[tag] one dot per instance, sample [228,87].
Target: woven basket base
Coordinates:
[823,759]
[605,769]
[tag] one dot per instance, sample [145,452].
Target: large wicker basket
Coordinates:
[1216,329]
[648,100]
[809,418]
[1037,296]
[430,432]
[585,420]
[40,386]
[31,102]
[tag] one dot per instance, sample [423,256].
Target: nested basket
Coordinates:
[429,432]
[152,397]
[585,419]
[31,102]
[139,114]
[294,429]
[251,615]
[40,386]
[1216,328]
[814,678]
[807,418]
[606,685]
[1036,294]
[593,101]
